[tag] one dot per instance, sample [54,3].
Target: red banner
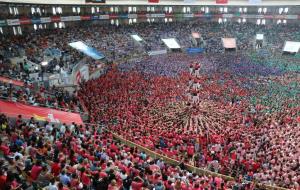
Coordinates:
[198,15]
[13,109]
[153,1]
[55,19]
[112,16]
[85,18]
[142,15]
[169,15]
[221,1]
[25,21]
[14,82]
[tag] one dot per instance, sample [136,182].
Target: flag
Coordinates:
[39,118]
[221,1]
[153,1]
[255,1]
[189,1]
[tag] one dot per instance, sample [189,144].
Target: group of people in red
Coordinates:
[70,157]
[223,134]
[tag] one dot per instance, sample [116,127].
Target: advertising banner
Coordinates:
[55,19]
[2,23]
[45,19]
[13,109]
[157,52]
[12,22]
[194,50]
[10,81]
[25,21]
[85,18]
[103,17]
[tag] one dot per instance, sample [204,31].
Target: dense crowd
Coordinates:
[56,98]
[36,155]
[208,119]
[232,113]
[115,41]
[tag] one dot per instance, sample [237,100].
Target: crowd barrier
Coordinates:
[191,168]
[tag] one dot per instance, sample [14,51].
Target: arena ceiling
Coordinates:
[162,2]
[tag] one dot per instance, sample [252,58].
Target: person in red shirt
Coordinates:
[36,170]
[4,148]
[137,183]
[2,178]
[55,168]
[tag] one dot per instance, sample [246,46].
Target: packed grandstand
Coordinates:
[163,104]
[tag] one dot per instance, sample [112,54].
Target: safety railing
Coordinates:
[189,167]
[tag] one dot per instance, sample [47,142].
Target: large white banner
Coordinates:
[171,43]
[292,47]
[157,52]
[229,42]
[12,22]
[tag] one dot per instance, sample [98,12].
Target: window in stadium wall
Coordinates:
[168,20]
[150,20]
[186,9]
[243,10]
[223,9]
[114,22]
[283,10]
[17,30]
[13,11]
[57,10]
[132,9]
[168,9]
[114,9]
[150,9]
[95,10]
[262,10]
[206,9]
[61,25]
[132,20]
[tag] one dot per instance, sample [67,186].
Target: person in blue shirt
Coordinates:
[64,178]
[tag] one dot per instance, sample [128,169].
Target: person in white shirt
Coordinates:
[62,129]
[72,127]
[52,185]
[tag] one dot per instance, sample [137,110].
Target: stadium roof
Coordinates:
[162,2]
